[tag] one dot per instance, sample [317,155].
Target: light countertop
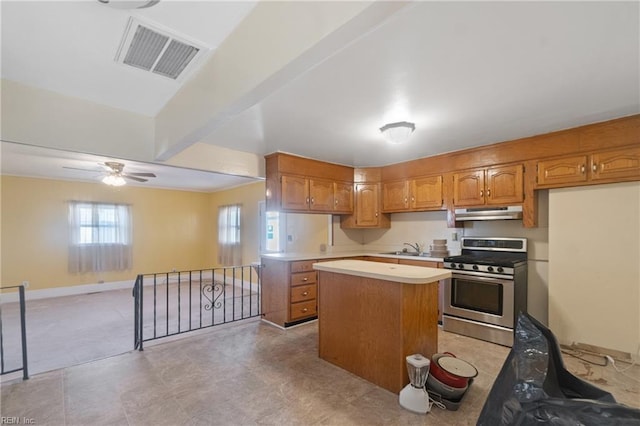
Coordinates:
[334,255]
[384,271]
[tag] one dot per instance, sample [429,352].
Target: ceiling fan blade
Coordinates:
[84,170]
[142,174]
[137,179]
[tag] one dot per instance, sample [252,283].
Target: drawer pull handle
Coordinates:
[595,167]
[306,293]
[482,192]
[305,279]
[488,193]
[305,310]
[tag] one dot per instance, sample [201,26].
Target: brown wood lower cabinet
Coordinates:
[381,259]
[368,326]
[289,291]
[430,264]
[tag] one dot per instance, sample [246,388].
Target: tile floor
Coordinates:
[242,373]
[250,373]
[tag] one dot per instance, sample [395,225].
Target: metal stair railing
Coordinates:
[23,335]
[171,303]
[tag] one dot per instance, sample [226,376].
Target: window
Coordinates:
[229,244]
[100,237]
[272,227]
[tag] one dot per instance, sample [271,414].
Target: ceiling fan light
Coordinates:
[114,180]
[397,133]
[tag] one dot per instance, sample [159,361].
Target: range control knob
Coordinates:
[490,269]
[475,267]
[500,269]
[460,266]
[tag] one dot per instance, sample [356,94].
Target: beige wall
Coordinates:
[172,229]
[594,272]
[249,196]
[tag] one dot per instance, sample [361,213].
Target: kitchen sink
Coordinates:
[402,253]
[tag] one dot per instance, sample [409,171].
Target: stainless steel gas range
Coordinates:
[487,289]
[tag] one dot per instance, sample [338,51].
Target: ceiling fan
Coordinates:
[115,175]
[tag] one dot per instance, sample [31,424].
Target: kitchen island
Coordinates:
[372,315]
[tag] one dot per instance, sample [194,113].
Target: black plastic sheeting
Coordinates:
[534,388]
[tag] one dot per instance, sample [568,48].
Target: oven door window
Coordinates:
[477,296]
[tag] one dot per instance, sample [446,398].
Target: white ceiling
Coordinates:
[69,46]
[51,163]
[467,73]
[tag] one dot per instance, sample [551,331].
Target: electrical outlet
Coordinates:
[25,284]
[454,236]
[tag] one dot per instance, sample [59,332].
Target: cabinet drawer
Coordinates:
[303,292]
[303,309]
[303,278]
[302,266]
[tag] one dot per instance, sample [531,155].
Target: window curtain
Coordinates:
[100,237]
[229,246]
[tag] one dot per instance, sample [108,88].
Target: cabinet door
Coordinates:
[295,193]
[274,282]
[367,204]
[395,196]
[505,185]
[342,197]
[321,195]
[426,193]
[617,164]
[468,188]
[563,170]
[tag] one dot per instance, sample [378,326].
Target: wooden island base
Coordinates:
[368,326]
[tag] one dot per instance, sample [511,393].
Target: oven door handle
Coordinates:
[482,276]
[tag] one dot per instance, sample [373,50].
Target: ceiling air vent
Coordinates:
[160,52]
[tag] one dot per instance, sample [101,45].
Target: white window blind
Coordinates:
[229,244]
[100,237]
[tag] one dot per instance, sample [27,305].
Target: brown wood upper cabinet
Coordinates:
[316,195]
[367,208]
[423,193]
[366,213]
[304,185]
[501,185]
[598,167]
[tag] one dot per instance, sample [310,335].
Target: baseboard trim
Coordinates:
[67,291]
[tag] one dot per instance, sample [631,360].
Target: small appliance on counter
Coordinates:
[414,396]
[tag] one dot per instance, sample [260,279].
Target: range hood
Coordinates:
[489,213]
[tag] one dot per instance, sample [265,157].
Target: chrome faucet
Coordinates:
[416,247]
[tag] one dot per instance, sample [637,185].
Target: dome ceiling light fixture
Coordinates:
[130,4]
[397,133]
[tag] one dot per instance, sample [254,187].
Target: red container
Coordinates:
[451,371]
